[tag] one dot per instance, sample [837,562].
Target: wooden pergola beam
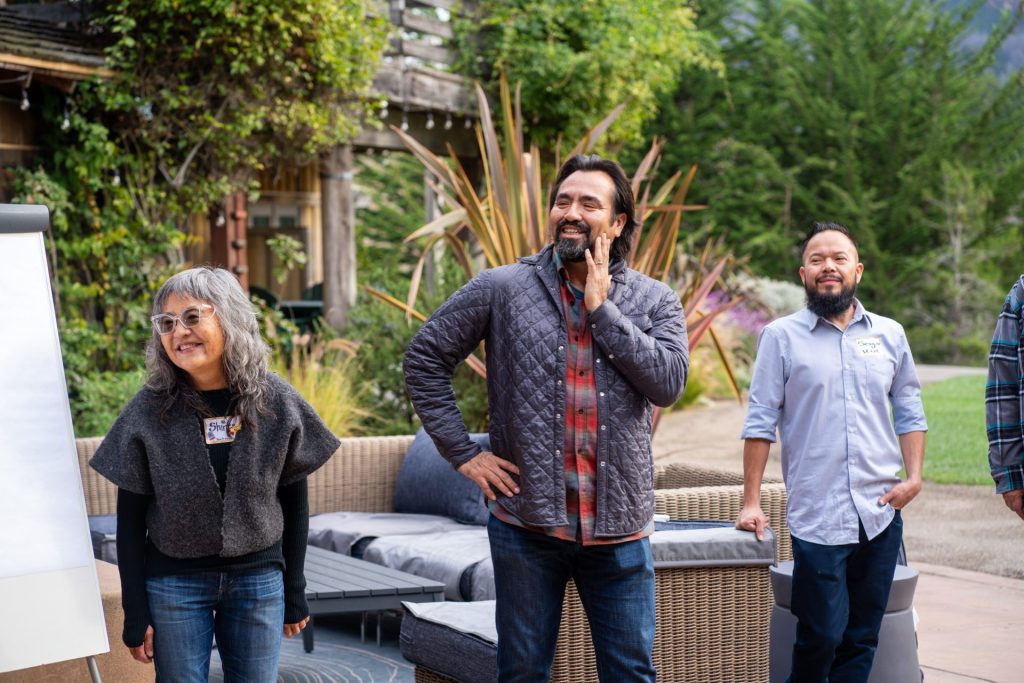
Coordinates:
[78,72]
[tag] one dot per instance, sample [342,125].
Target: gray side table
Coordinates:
[337,583]
[896,657]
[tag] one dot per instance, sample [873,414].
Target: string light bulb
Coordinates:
[25,104]
[430,121]
[65,123]
[383,109]
[469,123]
[116,180]
[405,121]
[448,121]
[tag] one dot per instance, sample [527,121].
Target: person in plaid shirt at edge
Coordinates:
[579,349]
[1004,412]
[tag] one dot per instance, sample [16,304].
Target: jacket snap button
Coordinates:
[604,427]
[598,360]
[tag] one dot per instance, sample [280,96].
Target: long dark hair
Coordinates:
[622,245]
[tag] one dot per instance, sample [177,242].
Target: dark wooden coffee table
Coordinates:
[338,583]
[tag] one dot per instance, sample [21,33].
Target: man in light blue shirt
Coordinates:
[826,377]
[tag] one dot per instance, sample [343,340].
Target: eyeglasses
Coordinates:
[164,323]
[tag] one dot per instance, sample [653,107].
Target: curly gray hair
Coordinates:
[245,352]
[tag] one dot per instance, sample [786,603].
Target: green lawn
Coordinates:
[956,449]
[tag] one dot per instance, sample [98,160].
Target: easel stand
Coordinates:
[94,670]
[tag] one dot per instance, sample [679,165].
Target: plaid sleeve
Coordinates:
[1003,420]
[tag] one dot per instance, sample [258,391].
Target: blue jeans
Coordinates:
[244,611]
[616,587]
[839,598]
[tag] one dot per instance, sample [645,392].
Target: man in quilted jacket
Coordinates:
[579,348]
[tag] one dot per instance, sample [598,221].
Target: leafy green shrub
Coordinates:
[942,343]
[98,398]
[577,60]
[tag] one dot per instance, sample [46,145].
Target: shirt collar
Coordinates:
[859,313]
[557,260]
[564,274]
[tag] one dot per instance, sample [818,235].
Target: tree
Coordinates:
[207,92]
[846,110]
[578,60]
[204,93]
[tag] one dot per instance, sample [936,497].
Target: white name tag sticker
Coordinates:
[221,429]
[870,347]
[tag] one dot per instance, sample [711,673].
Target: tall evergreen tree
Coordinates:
[847,110]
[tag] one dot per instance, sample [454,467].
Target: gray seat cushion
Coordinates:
[709,543]
[455,639]
[428,485]
[442,556]
[103,530]
[340,531]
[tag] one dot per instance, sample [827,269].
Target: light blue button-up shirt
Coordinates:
[828,391]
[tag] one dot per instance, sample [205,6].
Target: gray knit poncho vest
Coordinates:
[166,457]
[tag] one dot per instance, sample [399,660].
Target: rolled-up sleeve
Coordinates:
[905,393]
[767,388]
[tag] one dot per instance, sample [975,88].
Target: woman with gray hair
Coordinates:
[210,459]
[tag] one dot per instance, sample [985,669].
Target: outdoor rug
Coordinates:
[338,656]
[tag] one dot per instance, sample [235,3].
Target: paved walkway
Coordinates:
[971,624]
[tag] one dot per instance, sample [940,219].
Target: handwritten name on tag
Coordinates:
[221,429]
[870,347]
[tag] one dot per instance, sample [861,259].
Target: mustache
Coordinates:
[565,223]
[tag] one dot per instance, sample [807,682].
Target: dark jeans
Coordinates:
[839,597]
[616,587]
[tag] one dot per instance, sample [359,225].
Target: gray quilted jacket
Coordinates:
[640,359]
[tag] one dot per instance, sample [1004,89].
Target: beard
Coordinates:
[570,249]
[830,306]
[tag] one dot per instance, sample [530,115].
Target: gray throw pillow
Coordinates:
[428,485]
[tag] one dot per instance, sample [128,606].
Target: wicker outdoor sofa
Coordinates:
[712,622]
